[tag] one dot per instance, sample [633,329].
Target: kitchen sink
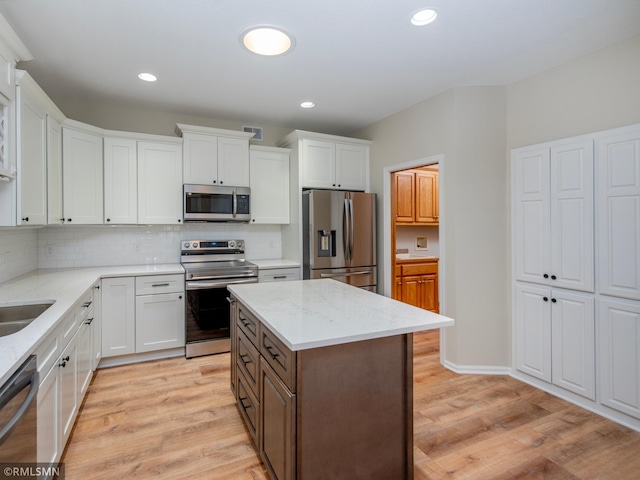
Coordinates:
[15,316]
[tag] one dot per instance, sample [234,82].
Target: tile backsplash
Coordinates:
[18,249]
[73,246]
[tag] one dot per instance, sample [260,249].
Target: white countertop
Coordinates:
[317,313]
[275,263]
[65,287]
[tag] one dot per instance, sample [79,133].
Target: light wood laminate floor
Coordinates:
[176,419]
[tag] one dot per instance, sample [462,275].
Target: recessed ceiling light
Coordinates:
[147,77]
[424,17]
[267,40]
[307,104]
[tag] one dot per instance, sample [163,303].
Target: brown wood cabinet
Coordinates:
[417,283]
[416,195]
[341,412]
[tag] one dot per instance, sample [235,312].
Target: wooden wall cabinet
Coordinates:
[416,195]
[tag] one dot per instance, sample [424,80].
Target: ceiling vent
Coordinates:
[257,132]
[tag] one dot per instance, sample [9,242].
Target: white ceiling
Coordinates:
[359,61]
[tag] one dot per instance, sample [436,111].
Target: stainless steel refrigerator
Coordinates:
[339,237]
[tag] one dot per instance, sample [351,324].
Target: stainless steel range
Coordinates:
[210,266]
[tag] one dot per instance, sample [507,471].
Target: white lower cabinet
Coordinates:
[555,337]
[118,316]
[142,314]
[619,336]
[65,367]
[159,322]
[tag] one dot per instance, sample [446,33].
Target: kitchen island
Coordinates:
[323,374]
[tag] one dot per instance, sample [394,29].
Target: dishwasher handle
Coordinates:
[10,393]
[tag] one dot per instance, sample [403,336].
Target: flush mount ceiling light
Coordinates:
[423,17]
[147,77]
[267,40]
[307,104]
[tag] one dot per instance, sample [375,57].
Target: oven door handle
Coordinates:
[32,380]
[217,284]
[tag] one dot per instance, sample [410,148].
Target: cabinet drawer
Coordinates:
[47,353]
[279,357]
[152,284]
[398,270]
[248,405]
[248,359]
[278,275]
[420,269]
[248,324]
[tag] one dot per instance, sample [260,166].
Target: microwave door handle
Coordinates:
[235,204]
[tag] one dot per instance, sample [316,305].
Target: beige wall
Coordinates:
[141,120]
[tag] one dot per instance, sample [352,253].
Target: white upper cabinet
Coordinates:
[31,154]
[553,215]
[214,156]
[120,181]
[159,183]
[82,159]
[619,212]
[269,185]
[334,165]
[55,215]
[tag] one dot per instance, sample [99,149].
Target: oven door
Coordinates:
[208,316]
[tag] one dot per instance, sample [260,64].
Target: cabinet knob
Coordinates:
[553,300]
[25,219]
[68,219]
[553,277]
[546,299]
[62,220]
[334,184]
[108,219]
[546,275]
[179,220]
[221,182]
[214,181]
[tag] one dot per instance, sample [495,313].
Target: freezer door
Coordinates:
[358,277]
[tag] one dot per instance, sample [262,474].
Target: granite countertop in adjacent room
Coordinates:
[308,314]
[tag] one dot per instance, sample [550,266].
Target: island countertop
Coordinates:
[308,314]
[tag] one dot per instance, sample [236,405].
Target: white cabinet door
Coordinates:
[619,213]
[269,185]
[200,158]
[32,154]
[159,322]
[352,162]
[118,316]
[49,417]
[318,160]
[573,342]
[69,397]
[55,215]
[553,215]
[533,331]
[531,211]
[82,177]
[619,335]
[96,327]
[120,181]
[233,162]
[159,183]
[572,213]
[85,360]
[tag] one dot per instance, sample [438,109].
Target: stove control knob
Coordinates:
[194,244]
[186,245]
[232,244]
[239,244]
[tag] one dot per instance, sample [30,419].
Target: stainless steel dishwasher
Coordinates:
[18,415]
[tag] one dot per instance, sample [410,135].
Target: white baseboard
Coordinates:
[477,369]
[141,357]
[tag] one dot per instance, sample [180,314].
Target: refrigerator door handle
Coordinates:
[351,229]
[345,230]
[333,275]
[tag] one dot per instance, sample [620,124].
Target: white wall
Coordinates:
[406,239]
[17,252]
[75,246]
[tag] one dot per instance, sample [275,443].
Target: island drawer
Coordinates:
[279,357]
[247,360]
[248,405]
[248,324]
[420,269]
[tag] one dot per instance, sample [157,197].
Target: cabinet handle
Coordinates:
[279,277]
[160,284]
[546,275]
[25,219]
[62,220]
[553,277]
[553,300]
[62,364]
[231,300]
[179,220]
[86,304]
[241,400]
[271,354]
[97,287]
[214,181]
[68,219]
[221,182]
[180,297]
[242,359]
[88,321]
[546,299]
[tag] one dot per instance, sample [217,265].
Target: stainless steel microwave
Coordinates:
[213,203]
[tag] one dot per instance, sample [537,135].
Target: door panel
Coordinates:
[363,251]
